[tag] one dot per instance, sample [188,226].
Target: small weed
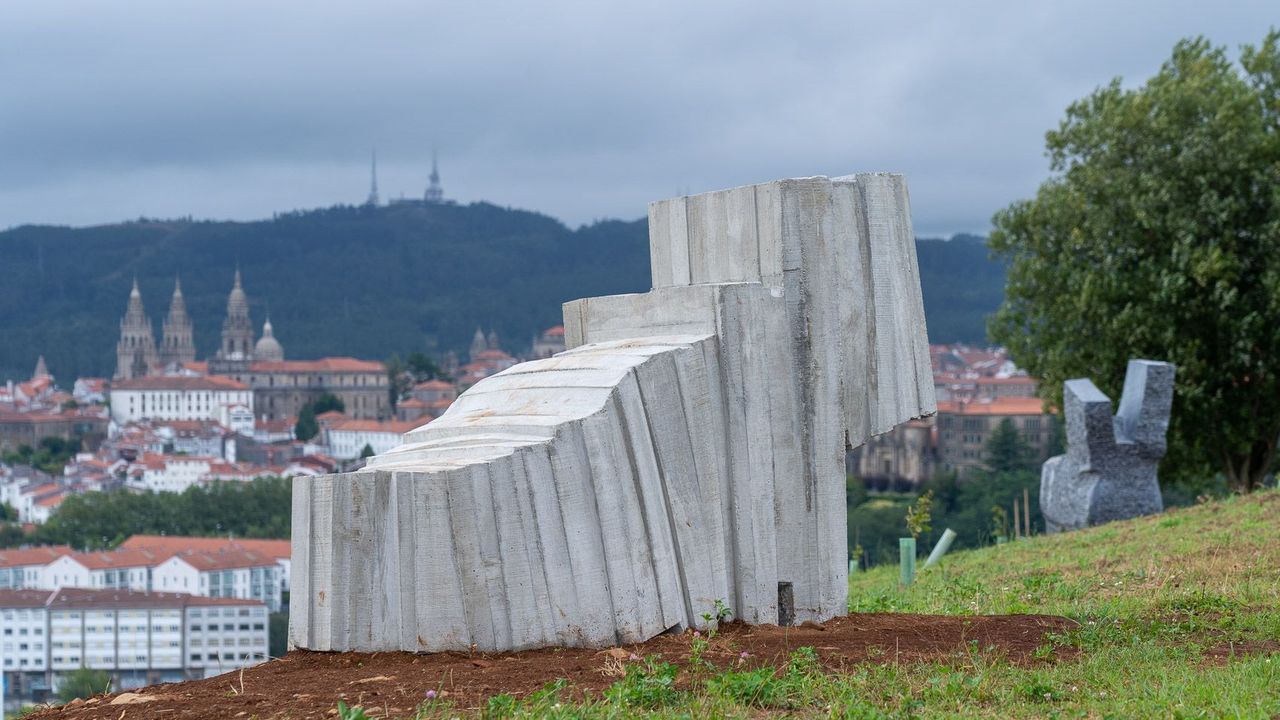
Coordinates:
[351,712]
[647,685]
[755,688]
[697,648]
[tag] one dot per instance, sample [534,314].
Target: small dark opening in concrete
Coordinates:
[786,605]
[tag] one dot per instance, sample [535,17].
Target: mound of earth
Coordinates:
[310,684]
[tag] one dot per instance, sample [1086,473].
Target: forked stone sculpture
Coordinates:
[1109,470]
[687,448]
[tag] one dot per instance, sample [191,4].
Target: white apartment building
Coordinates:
[25,623]
[347,437]
[113,569]
[171,473]
[169,545]
[223,634]
[180,397]
[138,638]
[226,573]
[24,568]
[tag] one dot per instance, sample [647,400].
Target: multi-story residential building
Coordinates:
[224,634]
[169,545]
[138,638]
[24,567]
[24,643]
[965,428]
[169,473]
[126,569]
[232,572]
[182,397]
[29,428]
[346,437]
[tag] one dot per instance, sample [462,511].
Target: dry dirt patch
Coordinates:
[309,685]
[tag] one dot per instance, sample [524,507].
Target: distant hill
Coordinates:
[364,281]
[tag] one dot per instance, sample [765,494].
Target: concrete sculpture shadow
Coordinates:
[688,447]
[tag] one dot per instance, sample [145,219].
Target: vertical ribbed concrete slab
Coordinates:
[687,448]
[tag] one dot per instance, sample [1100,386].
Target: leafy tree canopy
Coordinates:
[97,520]
[1158,236]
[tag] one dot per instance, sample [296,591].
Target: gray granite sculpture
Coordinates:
[1109,470]
[687,448]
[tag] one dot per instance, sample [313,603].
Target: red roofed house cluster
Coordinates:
[976,390]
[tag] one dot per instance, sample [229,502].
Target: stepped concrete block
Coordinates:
[687,448]
[1109,470]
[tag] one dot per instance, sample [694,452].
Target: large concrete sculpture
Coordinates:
[1109,470]
[688,447]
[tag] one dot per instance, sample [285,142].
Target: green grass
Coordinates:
[1179,617]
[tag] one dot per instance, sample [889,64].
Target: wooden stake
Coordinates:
[1026,512]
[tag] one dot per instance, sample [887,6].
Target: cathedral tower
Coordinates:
[177,344]
[236,351]
[136,351]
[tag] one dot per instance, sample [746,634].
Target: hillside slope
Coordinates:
[365,281]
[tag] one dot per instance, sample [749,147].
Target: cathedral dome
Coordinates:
[268,348]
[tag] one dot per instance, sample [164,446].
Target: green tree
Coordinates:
[1006,449]
[399,380]
[83,683]
[1158,236]
[277,634]
[366,451]
[326,403]
[306,427]
[423,368]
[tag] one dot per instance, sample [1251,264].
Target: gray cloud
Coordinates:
[581,110]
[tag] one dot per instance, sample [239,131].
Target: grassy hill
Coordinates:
[1179,616]
[365,281]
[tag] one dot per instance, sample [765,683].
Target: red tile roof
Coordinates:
[999,406]
[433,385]
[24,598]
[180,382]
[170,545]
[228,558]
[111,559]
[40,555]
[327,364]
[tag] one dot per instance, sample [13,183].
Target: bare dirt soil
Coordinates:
[310,684]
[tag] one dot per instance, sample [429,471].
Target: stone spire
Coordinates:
[492,342]
[237,331]
[268,348]
[177,343]
[478,343]
[435,193]
[42,370]
[136,351]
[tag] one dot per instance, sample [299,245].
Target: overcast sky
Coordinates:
[586,110]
